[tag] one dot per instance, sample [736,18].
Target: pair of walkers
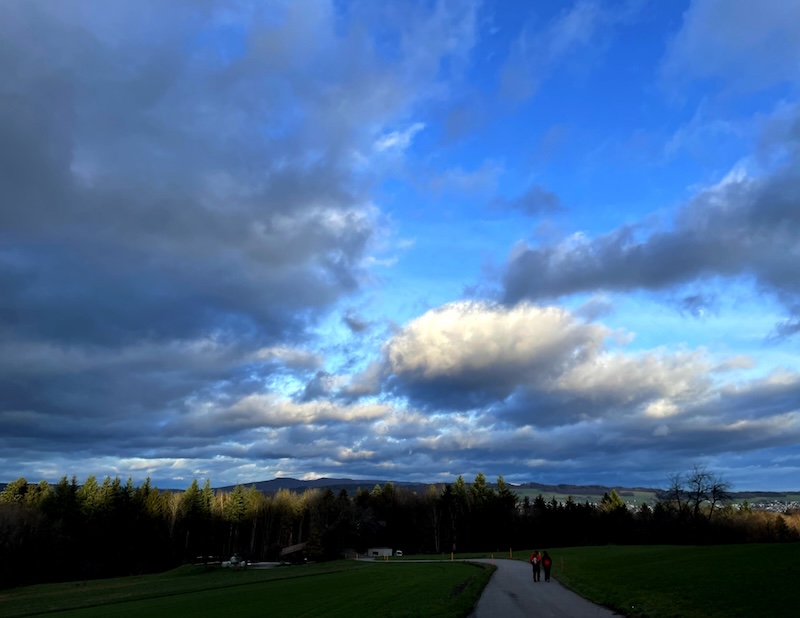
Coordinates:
[539,562]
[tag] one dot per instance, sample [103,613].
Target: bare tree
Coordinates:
[697,486]
[718,494]
[676,493]
[700,493]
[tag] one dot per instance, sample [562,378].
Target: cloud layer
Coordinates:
[401,240]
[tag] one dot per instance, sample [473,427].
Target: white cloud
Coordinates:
[541,366]
[661,408]
[633,376]
[398,140]
[255,411]
[290,357]
[464,337]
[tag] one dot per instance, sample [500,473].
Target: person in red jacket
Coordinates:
[547,564]
[536,565]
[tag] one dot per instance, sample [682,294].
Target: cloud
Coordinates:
[547,396]
[256,411]
[320,386]
[533,365]
[536,53]
[156,208]
[704,135]
[732,41]
[398,140]
[457,180]
[461,121]
[735,229]
[787,328]
[196,195]
[535,201]
[661,430]
[354,322]
[536,382]
[290,357]
[697,304]
[595,307]
[470,354]
[181,207]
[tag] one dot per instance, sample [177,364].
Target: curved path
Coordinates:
[512,593]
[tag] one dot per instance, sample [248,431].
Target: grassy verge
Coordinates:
[669,582]
[330,589]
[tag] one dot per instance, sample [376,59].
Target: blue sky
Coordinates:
[554,241]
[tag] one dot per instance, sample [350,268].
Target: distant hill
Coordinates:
[335,485]
[589,490]
[594,493]
[351,485]
[580,492]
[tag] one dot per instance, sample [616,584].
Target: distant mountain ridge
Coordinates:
[297,484]
[567,488]
[351,485]
[325,483]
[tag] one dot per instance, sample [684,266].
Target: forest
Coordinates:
[71,531]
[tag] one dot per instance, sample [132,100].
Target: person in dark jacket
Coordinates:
[536,565]
[547,564]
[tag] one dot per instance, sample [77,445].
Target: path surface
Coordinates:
[512,593]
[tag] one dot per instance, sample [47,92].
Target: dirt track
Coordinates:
[512,593]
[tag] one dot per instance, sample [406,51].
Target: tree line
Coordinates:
[109,528]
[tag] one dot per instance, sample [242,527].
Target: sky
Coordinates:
[556,241]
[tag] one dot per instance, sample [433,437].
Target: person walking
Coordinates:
[547,564]
[536,565]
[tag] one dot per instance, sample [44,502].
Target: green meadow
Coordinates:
[344,588]
[723,581]
[637,581]
[667,581]
[637,498]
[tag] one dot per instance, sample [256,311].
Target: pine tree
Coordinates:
[14,492]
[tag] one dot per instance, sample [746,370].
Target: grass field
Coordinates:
[638,581]
[344,588]
[665,581]
[637,498]
[670,582]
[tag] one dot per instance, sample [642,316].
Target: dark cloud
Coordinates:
[594,308]
[778,393]
[697,304]
[188,189]
[741,228]
[787,328]
[321,385]
[131,214]
[183,199]
[534,202]
[354,322]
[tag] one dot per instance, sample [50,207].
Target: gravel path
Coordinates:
[512,593]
